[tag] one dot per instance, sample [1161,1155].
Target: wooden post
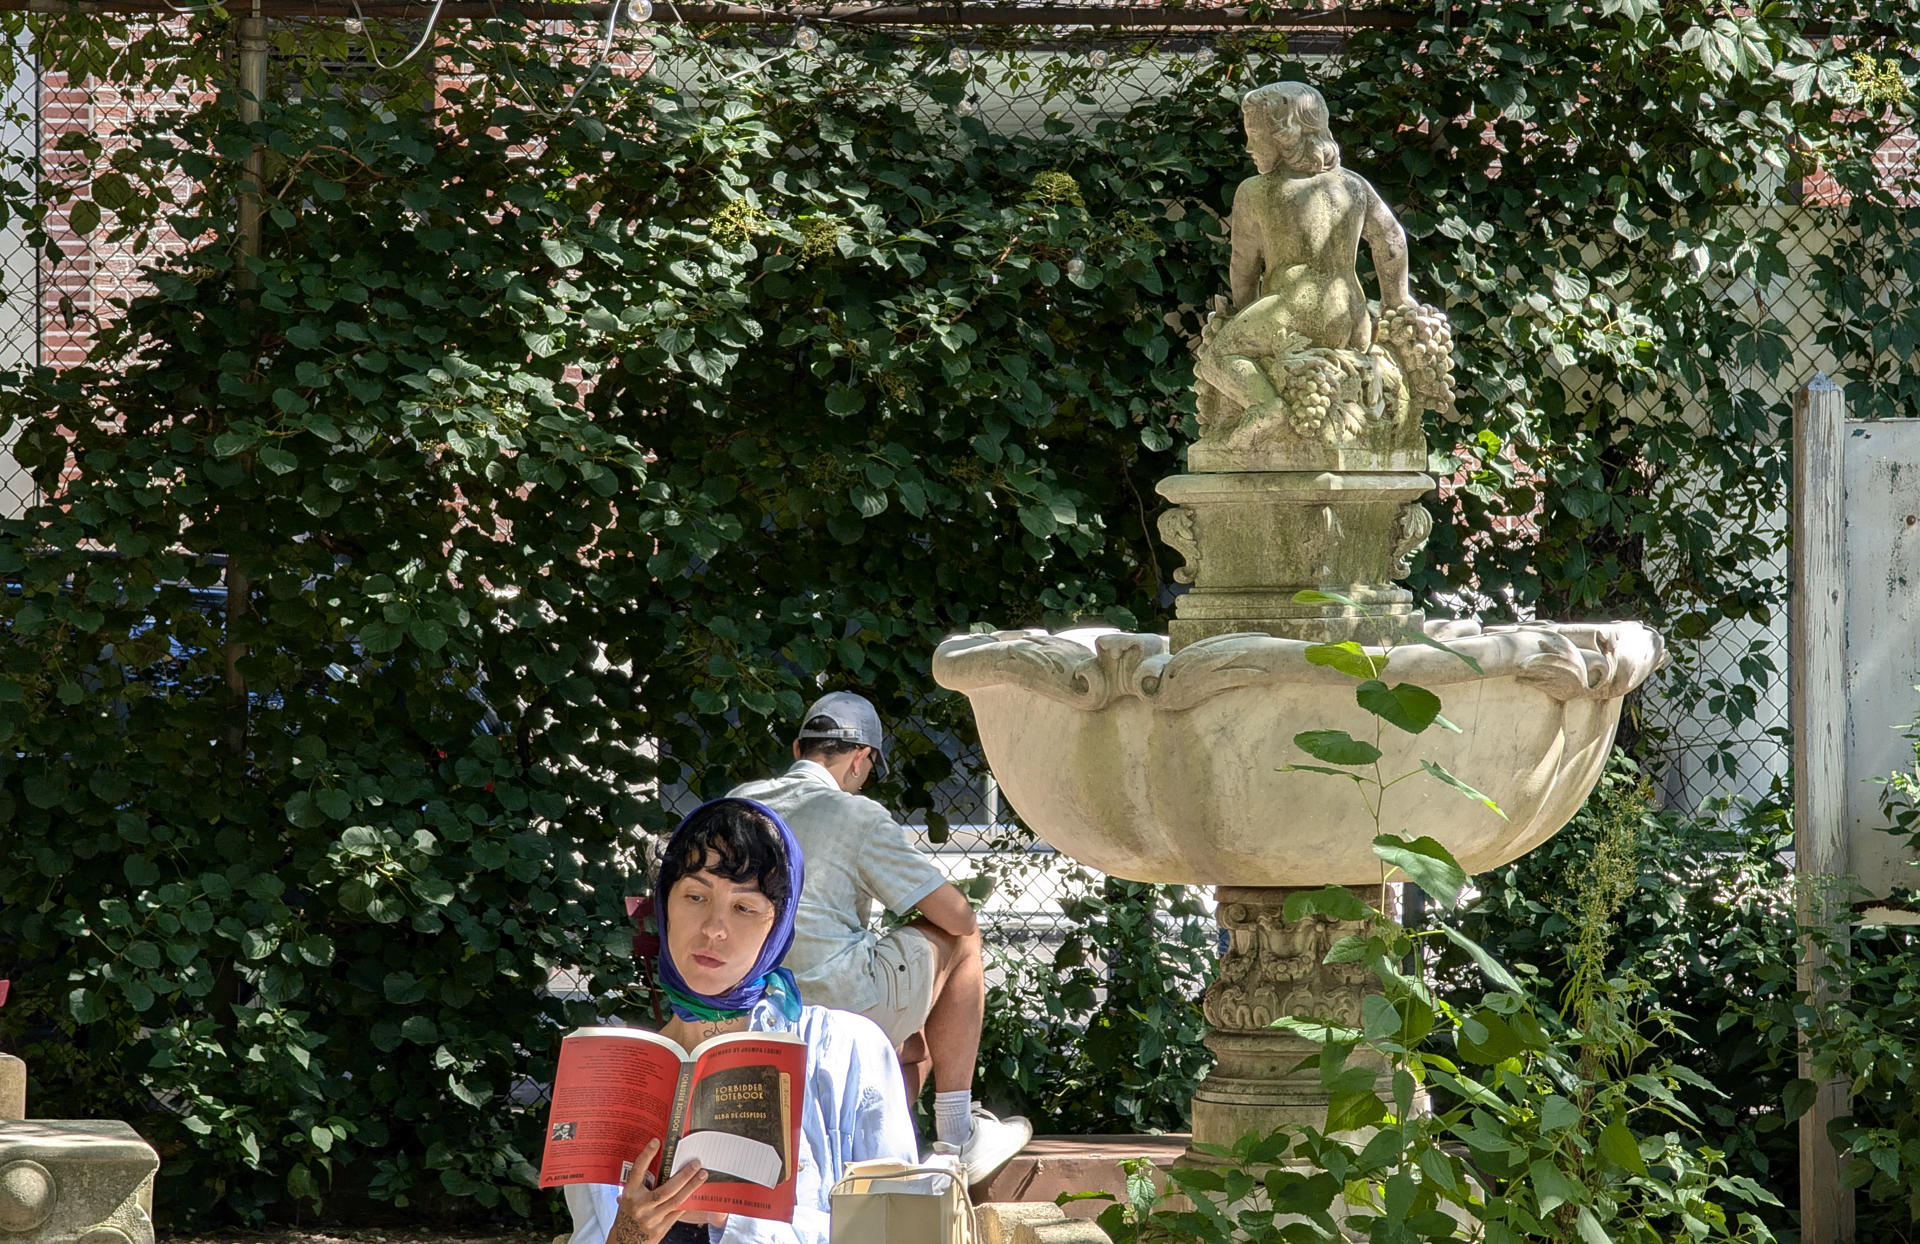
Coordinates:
[1817,702]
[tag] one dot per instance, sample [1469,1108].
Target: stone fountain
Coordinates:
[1158,757]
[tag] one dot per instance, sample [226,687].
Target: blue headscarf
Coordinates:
[766,978]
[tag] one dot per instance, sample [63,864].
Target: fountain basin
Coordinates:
[1166,767]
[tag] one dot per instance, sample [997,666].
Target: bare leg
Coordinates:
[915,1062]
[952,1032]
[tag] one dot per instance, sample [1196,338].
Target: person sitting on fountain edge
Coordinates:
[923,982]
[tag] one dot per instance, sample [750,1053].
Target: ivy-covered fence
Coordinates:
[573,423]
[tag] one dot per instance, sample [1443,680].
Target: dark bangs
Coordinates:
[729,838]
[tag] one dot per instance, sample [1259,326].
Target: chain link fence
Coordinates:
[1720,711]
[20,318]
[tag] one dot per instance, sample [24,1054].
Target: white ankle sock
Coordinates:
[953,1116]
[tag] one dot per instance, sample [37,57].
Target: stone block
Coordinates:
[13,1088]
[75,1181]
[996,1221]
[1065,1231]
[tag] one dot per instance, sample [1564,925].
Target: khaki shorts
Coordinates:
[906,962]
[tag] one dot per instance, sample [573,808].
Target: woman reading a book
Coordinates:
[728,888]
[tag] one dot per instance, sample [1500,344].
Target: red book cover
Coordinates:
[733,1103]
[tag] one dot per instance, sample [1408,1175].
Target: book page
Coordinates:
[743,1123]
[728,1156]
[612,1093]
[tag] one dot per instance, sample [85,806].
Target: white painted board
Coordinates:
[1882,468]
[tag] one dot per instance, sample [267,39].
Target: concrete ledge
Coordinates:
[1052,1165]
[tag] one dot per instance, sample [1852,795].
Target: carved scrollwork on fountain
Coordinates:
[1536,705]
[1275,967]
[1410,533]
[1177,529]
[1090,668]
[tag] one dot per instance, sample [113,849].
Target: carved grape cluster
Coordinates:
[1312,394]
[1421,341]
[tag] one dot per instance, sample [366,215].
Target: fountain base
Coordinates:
[1273,967]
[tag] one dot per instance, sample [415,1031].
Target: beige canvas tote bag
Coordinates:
[892,1202]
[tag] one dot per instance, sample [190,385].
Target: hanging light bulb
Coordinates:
[1203,59]
[1097,58]
[806,38]
[1076,266]
[968,107]
[958,60]
[354,26]
[639,12]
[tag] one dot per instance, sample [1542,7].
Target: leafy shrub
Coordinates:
[1866,1032]
[1106,1036]
[1547,1124]
[1703,936]
[1861,1024]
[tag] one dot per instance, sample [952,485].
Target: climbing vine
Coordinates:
[573,425]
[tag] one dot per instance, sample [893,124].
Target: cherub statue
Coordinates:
[1295,351]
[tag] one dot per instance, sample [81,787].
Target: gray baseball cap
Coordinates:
[855,720]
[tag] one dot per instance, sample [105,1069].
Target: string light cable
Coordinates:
[373,50]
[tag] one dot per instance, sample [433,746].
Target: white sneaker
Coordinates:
[993,1143]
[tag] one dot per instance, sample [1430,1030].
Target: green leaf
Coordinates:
[1798,1098]
[1348,657]
[562,252]
[1620,1148]
[1591,1232]
[1426,863]
[1315,596]
[844,401]
[1410,708]
[1319,1031]
[1551,1187]
[1556,1112]
[83,217]
[1340,773]
[1336,747]
[1336,901]
[86,1006]
[1486,1038]
[1349,1111]
[1495,970]
[1441,773]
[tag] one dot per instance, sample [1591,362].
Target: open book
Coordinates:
[733,1103]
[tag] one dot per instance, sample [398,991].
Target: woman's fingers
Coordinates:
[647,1213]
[674,1193]
[637,1178]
